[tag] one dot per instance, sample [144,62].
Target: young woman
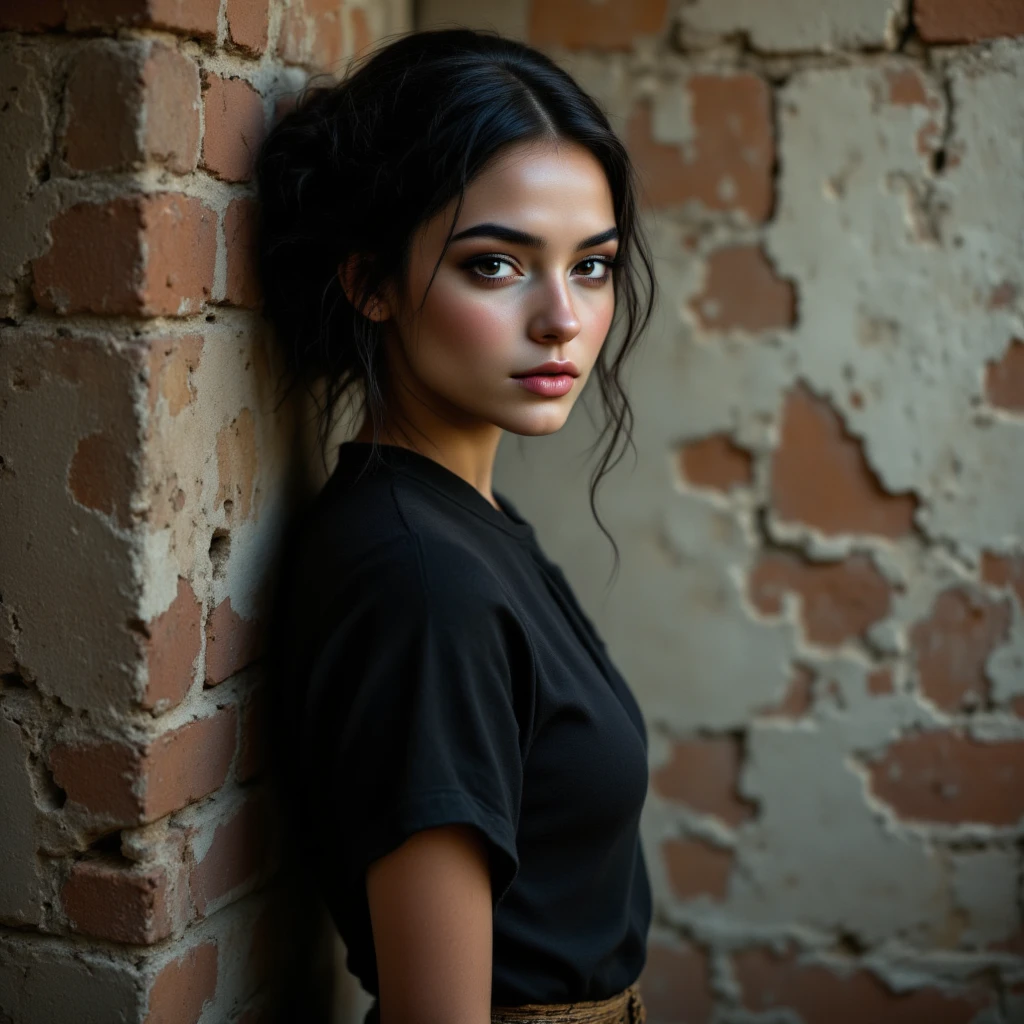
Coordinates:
[450,235]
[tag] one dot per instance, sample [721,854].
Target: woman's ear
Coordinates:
[375,307]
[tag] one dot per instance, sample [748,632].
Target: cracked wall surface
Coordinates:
[147,468]
[820,603]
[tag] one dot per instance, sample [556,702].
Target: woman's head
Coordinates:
[382,269]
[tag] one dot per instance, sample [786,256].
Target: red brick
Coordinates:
[907,88]
[838,600]
[247,24]
[102,102]
[196,18]
[676,984]
[236,466]
[172,364]
[158,260]
[243,286]
[820,995]
[173,641]
[184,986]
[1004,379]
[594,25]
[696,868]
[716,463]
[235,121]
[313,34]
[236,859]
[704,775]
[949,777]
[728,164]
[102,476]
[952,645]
[252,752]
[797,700]
[231,642]
[107,901]
[362,36]
[954,21]
[32,15]
[820,475]
[1004,571]
[133,784]
[130,103]
[170,134]
[880,682]
[743,292]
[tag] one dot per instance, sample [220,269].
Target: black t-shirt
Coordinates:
[444,673]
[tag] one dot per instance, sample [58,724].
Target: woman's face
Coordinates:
[526,281]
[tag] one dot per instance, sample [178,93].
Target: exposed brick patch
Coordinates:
[133,785]
[243,286]
[235,125]
[158,260]
[953,21]
[109,902]
[362,37]
[797,700]
[173,643]
[1003,295]
[743,292]
[818,993]
[676,984]
[949,777]
[184,986]
[1004,571]
[312,33]
[231,642]
[952,645]
[696,868]
[172,362]
[906,87]
[235,860]
[1004,379]
[839,601]
[236,465]
[188,17]
[590,25]
[716,463]
[880,682]
[704,775]
[247,24]
[820,475]
[102,476]
[728,164]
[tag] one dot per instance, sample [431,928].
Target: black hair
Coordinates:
[356,167]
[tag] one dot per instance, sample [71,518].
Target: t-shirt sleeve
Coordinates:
[415,698]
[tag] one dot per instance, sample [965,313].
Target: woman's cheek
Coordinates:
[470,323]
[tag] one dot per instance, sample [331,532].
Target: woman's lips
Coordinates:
[550,385]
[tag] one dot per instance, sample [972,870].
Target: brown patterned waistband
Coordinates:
[625,1008]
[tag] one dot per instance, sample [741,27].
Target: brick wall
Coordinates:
[821,601]
[145,473]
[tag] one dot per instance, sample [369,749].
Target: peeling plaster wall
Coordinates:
[821,596]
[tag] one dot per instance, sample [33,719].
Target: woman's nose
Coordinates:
[555,320]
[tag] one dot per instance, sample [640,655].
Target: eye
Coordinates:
[595,268]
[494,268]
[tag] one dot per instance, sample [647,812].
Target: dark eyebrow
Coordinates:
[515,237]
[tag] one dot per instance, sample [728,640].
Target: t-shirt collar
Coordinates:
[440,478]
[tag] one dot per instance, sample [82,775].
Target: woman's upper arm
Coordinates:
[430,908]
